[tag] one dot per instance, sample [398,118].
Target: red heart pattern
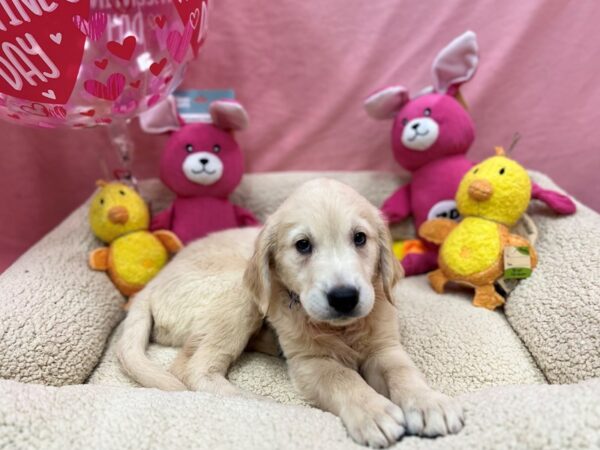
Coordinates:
[123,50]
[111,90]
[93,28]
[101,63]
[189,12]
[157,67]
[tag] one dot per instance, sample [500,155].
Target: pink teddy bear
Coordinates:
[202,164]
[431,134]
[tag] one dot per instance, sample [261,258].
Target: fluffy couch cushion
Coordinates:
[556,312]
[55,313]
[510,417]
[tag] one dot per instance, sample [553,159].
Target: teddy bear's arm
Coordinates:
[169,239]
[245,217]
[519,241]
[559,203]
[98,259]
[436,230]
[397,206]
[162,220]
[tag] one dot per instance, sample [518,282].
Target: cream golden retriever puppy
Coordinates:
[321,274]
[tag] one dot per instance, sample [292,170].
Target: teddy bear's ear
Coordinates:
[228,115]
[385,103]
[162,118]
[456,63]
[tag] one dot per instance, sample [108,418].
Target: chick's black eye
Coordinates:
[360,239]
[216,148]
[189,148]
[304,246]
[102,201]
[501,171]
[122,192]
[404,121]
[427,112]
[476,170]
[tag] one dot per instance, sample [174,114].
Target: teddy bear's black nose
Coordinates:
[415,126]
[204,161]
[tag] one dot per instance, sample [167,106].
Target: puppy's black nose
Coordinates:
[204,161]
[343,298]
[415,126]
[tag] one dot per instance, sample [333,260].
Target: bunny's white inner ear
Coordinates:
[384,104]
[228,115]
[456,63]
[161,118]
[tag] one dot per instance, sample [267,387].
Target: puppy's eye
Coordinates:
[304,246]
[189,148]
[122,192]
[360,239]
[216,148]
[404,121]
[501,171]
[427,112]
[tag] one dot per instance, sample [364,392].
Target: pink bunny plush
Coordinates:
[202,164]
[431,134]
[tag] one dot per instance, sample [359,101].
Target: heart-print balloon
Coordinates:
[41,54]
[80,63]
[190,11]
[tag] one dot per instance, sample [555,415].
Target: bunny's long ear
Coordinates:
[162,118]
[228,115]
[385,103]
[456,63]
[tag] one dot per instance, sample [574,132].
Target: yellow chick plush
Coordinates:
[119,217]
[491,197]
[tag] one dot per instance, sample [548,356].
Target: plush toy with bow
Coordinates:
[431,134]
[203,164]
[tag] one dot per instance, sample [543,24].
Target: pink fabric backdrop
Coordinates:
[302,68]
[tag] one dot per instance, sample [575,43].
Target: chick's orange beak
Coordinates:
[480,190]
[118,214]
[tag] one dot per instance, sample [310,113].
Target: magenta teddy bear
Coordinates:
[431,134]
[202,164]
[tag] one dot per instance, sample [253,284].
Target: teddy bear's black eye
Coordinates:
[189,148]
[216,148]
[102,201]
[427,112]
[122,192]
[502,171]
[404,121]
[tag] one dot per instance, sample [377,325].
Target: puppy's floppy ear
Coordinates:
[390,270]
[257,277]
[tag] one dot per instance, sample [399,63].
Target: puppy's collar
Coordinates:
[294,298]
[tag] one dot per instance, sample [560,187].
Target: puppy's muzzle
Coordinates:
[343,299]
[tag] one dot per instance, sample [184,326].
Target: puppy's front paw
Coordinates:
[430,413]
[376,422]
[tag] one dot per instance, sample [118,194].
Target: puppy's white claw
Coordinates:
[377,423]
[430,413]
